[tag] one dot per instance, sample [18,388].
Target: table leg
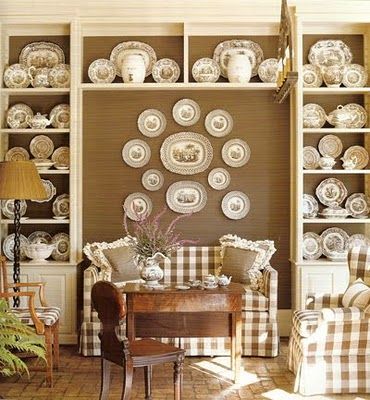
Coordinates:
[238,345]
[130,320]
[233,340]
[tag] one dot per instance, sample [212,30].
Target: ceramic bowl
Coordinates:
[39,251]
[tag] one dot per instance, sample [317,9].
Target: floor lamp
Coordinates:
[19,180]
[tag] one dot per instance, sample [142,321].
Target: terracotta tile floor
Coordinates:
[204,378]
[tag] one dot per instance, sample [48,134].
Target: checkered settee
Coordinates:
[329,346]
[260,329]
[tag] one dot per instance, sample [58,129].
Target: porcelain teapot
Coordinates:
[327,162]
[349,163]
[210,281]
[38,121]
[340,118]
[223,280]
[39,76]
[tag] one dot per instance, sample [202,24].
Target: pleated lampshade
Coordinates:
[20,180]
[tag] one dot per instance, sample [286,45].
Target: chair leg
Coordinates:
[105,379]
[178,376]
[56,344]
[49,356]
[148,371]
[128,372]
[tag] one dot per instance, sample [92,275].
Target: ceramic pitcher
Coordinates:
[239,69]
[133,68]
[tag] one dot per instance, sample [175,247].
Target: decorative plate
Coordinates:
[60,76]
[226,49]
[133,47]
[331,190]
[61,205]
[151,122]
[358,205]
[41,146]
[219,123]
[152,179]
[311,246]
[62,247]
[235,205]
[325,53]
[42,54]
[186,197]
[334,240]
[8,247]
[311,76]
[330,145]
[358,113]
[17,116]
[136,153]
[219,178]
[166,70]
[60,116]
[358,154]
[39,237]
[16,76]
[313,116]
[236,153]
[102,71]
[267,70]
[206,70]
[137,205]
[50,190]
[358,240]
[61,157]
[355,75]
[17,154]
[186,153]
[186,112]
[310,206]
[311,157]
[7,207]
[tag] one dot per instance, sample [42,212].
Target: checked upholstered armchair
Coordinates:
[329,346]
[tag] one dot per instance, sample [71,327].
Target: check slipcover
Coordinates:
[259,331]
[329,346]
[48,315]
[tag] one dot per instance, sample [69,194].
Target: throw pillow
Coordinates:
[122,262]
[237,262]
[357,295]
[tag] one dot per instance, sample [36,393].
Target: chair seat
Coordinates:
[306,321]
[146,349]
[48,315]
[254,300]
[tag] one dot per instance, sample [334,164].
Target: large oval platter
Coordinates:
[186,197]
[186,153]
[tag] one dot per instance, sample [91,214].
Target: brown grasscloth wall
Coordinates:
[110,120]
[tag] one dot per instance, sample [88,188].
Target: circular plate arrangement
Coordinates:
[219,178]
[313,116]
[151,122]
[311,157]
[226,49]
[330,145]
[61,157]
[267,70]
[357,154]
[310,206]
[8,247]
[219,123]
[61,206]
[358,240]
[7,207]
[41,146]
[186,153]
[235,205]
[325,53]
[186,197]
[331,190]
[136,153]
[42,54]
[152,179]
[311,246]
[102,71]
[16,76]
[62,247]
[355,75]
[359,115]
[133,47]
[17,154]
[18,115]
[50,190]
[186,112]
[60,116]
[60,76]
[206,70]
[311,76]
[166,70]
[39,237]
[358,205]
[334,240]
[137,205]
[236,153]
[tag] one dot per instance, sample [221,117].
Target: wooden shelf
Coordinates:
[49,221]
[47,131]
[35,91]
[335,130]
[336,91]
[54,172]
[323,262]
[47,263]
[336,171]
[336,220]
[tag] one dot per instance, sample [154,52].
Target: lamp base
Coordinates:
[17,249]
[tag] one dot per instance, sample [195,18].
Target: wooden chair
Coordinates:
[111,308]
[44,319]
